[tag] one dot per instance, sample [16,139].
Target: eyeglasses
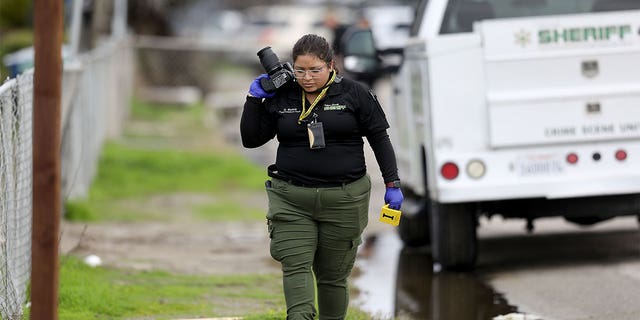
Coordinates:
[314,73]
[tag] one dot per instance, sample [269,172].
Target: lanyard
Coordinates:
[306,112]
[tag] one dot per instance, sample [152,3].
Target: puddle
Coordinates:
[398,283]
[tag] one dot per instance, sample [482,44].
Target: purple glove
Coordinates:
[256,89]
[393,196]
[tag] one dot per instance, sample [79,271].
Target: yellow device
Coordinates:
[390,216]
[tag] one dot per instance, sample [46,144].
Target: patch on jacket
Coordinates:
[334,107]
[289,110]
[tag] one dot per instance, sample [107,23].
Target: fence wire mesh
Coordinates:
[95,99]
[16,107]
[95,104]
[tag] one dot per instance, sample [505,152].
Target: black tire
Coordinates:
[414,227]
[453,235]
[586,221]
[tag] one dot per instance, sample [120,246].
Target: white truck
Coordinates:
[522,108]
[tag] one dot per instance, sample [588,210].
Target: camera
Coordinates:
[279,73]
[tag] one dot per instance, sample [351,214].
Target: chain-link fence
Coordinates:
[95,103]
[15,193]
[167,62]
[96,91]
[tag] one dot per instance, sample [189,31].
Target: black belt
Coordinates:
[272,171]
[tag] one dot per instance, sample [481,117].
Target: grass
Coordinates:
[175,127]
[131,175]
[192,114]
[227,210]
[126,172]
[102,293]
[105,293]
[136,169]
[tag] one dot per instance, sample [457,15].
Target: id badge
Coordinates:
[316,135]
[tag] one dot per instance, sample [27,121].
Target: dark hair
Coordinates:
[312,44]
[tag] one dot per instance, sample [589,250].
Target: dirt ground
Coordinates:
[184,246]
[188,247]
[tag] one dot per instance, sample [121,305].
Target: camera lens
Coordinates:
[269,60]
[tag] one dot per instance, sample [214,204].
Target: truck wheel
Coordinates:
[453,235]
[586,221]
[414,228]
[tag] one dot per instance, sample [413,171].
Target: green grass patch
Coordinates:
[177,127]
[141,110]
[112,210]
[133,174]
[167,150]
[126,172]
[103,293]
[79,211]
[227,210]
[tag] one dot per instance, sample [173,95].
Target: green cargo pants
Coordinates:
[316,231]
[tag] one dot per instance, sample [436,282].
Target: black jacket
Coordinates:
[348,112]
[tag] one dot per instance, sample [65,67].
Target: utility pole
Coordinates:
[47,92]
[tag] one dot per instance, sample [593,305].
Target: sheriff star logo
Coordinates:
[523,38]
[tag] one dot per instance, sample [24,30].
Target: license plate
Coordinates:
[538,166]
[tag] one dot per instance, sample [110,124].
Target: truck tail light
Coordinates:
[476,169]
[621,155]
[449,171]
[572,158]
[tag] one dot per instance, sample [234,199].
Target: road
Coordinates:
[564,271]
[560,272]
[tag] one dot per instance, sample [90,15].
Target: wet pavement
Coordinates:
[561,271]
[399,283]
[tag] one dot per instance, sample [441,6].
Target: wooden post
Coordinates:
[47,92]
